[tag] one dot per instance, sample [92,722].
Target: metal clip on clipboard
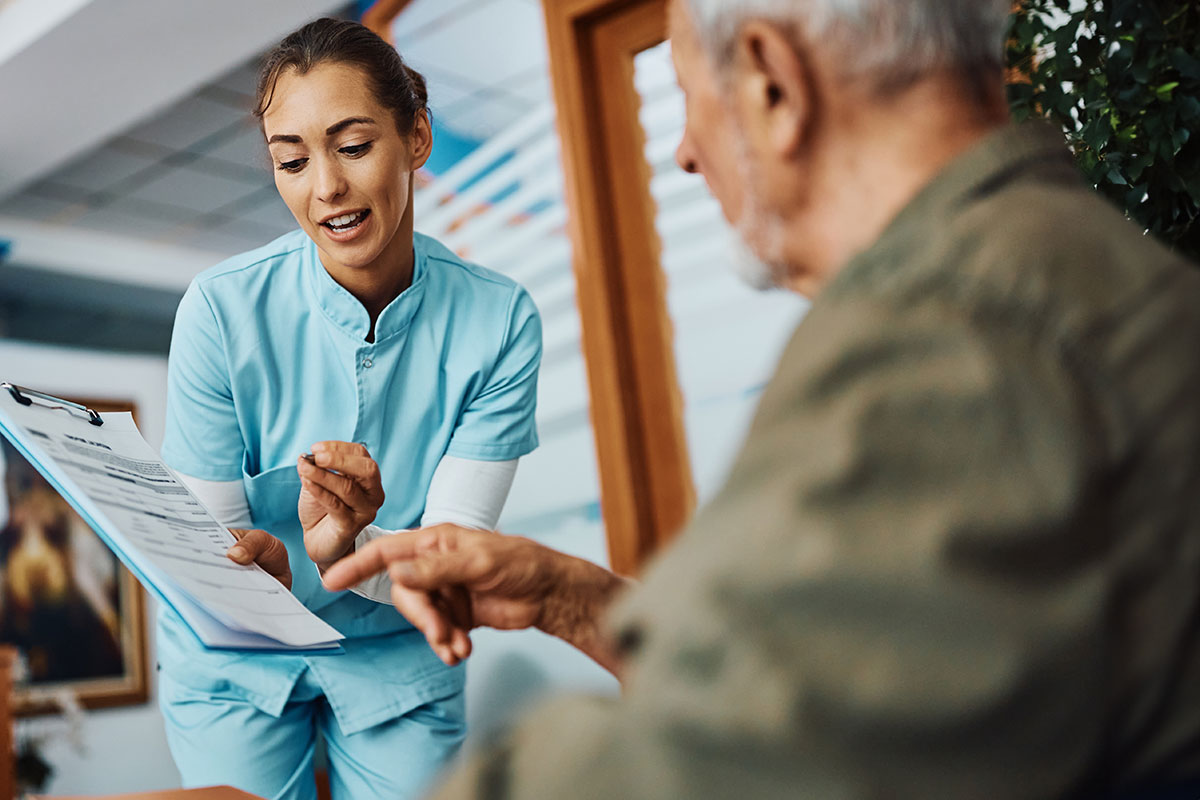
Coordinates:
[26,397]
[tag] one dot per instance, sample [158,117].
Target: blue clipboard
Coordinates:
[70,493]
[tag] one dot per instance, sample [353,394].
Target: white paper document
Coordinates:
[154,524]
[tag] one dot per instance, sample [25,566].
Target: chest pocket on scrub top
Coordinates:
[272,496]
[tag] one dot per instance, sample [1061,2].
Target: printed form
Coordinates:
[163,533]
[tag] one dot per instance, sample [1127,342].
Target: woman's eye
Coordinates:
[293,166]
[355,150]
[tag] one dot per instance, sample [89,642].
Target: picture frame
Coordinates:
[75,614]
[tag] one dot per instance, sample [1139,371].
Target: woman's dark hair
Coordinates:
[395,85]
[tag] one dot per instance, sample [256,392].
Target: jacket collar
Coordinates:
[1006,155]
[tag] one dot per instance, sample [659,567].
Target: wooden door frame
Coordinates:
[646,488]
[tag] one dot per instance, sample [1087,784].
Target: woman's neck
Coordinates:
[382,281]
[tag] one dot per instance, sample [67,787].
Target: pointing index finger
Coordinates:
[369,560]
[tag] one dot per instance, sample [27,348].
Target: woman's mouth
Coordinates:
[347,227]
[347,222]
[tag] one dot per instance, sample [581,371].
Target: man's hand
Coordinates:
[260,547]
[340,495]
[447,580]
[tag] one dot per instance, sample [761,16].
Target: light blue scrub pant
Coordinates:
[221,738]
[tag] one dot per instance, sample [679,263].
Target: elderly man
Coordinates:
[959,555]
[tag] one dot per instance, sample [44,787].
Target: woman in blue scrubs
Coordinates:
[352,329]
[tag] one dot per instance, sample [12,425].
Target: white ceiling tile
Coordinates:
[32,207]
[55,191]
[245,148]
[444,93]
[268,212]
[242,79]
[138,208]
[253,234]
[200,192]
[442,74]
[534,90]
[481,117]
[218,242]
[242,103]
[186,123]
[489,44]
[100,169]
[421,15]
[122,220]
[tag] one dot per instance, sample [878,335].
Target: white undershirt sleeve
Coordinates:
[225,500]
[468,493]
[464,492]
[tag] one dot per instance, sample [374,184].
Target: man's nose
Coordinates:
[684,157]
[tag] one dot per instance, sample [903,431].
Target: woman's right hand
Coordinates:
[260,547]
[341,491]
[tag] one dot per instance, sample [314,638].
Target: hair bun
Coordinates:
[419,90]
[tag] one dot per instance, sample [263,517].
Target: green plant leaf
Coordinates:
[1122,78]
[1179,138]
[1164,91]
[1187,65]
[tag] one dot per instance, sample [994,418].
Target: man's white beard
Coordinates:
[752,270]
[762,268]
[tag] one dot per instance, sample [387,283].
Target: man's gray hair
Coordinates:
[890,41]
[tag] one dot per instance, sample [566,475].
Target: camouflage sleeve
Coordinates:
[895,595]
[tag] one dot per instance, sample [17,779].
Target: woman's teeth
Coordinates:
[345,222]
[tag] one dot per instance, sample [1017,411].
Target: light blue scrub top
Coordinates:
[268,356]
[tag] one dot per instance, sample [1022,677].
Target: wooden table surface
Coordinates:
[211,793]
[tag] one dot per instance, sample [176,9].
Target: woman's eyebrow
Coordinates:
[335,128]
[338,127]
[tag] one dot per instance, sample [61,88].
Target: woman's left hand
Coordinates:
[340,495]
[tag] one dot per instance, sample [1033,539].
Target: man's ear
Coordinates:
[777,84]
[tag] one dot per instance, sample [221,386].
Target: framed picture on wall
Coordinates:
[76,616]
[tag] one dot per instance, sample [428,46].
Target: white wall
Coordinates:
[125,749]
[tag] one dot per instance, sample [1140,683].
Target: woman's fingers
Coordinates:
[327,499]
[353,461]
[342,487]
[260,547]
[337,447]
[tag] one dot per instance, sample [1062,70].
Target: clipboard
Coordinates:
[156,527]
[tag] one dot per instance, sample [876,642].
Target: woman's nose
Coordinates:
[331,182]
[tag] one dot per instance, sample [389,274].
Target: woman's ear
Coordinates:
[776,85]
[421,139]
